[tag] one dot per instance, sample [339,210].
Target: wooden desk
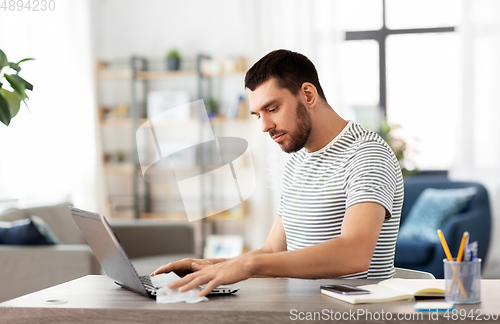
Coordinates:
[96,299]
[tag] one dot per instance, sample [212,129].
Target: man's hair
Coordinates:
[290,69]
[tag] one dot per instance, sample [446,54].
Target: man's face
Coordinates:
[282,115]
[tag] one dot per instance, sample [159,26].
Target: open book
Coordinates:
[395,289]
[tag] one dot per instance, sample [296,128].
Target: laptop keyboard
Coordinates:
[146,282]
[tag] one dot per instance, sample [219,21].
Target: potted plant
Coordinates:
[399,147]
[173,60]
[10,100]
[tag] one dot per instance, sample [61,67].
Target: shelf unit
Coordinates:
[139,76]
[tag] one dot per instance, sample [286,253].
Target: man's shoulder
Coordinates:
[355,138]
[363,138]
[361,134]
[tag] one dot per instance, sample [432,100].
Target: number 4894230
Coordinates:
[28,5]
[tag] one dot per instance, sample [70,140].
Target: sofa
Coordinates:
[25,269]
[475,218]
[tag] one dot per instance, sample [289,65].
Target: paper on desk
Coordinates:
[166,295]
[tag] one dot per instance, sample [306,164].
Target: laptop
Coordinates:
[113,259]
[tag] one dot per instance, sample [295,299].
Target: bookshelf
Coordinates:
[129,196]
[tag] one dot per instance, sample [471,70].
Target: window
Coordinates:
[415,53]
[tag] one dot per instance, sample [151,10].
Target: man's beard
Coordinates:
[299,137]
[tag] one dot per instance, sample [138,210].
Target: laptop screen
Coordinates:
[107,249]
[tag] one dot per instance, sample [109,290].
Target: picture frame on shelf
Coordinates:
[163,102]
[223,246]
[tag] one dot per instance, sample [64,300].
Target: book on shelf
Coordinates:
[395,289]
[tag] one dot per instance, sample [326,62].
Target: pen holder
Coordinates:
[463,281]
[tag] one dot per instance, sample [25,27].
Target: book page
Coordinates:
[378,294]
[416,287]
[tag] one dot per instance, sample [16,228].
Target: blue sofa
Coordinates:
[475,218]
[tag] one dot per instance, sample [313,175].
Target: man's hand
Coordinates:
[217,272]
[186,266]
[222,273]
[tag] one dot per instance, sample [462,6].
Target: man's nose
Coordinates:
[266,124]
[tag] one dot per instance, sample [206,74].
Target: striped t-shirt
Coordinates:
[356,166]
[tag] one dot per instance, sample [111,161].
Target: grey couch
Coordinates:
[25,269]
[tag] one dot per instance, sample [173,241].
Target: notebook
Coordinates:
[395,289]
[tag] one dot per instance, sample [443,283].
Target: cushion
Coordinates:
[45,230]
[60,221]
[431,209]
[413,252]
[31,231]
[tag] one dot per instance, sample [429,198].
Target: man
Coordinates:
[342,188]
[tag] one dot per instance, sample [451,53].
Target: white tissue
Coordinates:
[166,295]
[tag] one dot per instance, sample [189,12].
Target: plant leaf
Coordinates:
[5,115]
[15,67]
[17,86]
[24,60]
[27,85]
[3,59]
[13,99]
[26,104]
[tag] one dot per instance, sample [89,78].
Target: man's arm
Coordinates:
[276,242]
[349,253]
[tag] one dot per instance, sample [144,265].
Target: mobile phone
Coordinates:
[345,289]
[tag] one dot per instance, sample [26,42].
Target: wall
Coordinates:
[152,27]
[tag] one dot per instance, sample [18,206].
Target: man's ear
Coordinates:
[308,90]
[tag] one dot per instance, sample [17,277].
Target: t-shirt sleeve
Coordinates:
[371,176]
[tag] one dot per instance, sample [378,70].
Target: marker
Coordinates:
[473,257]
[467,256]
[473,248]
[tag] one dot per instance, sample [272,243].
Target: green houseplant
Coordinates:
[173,60]
[10,100]
[398,146]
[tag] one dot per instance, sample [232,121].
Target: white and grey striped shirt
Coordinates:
[357,166]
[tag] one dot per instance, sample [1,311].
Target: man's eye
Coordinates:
[273,110]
